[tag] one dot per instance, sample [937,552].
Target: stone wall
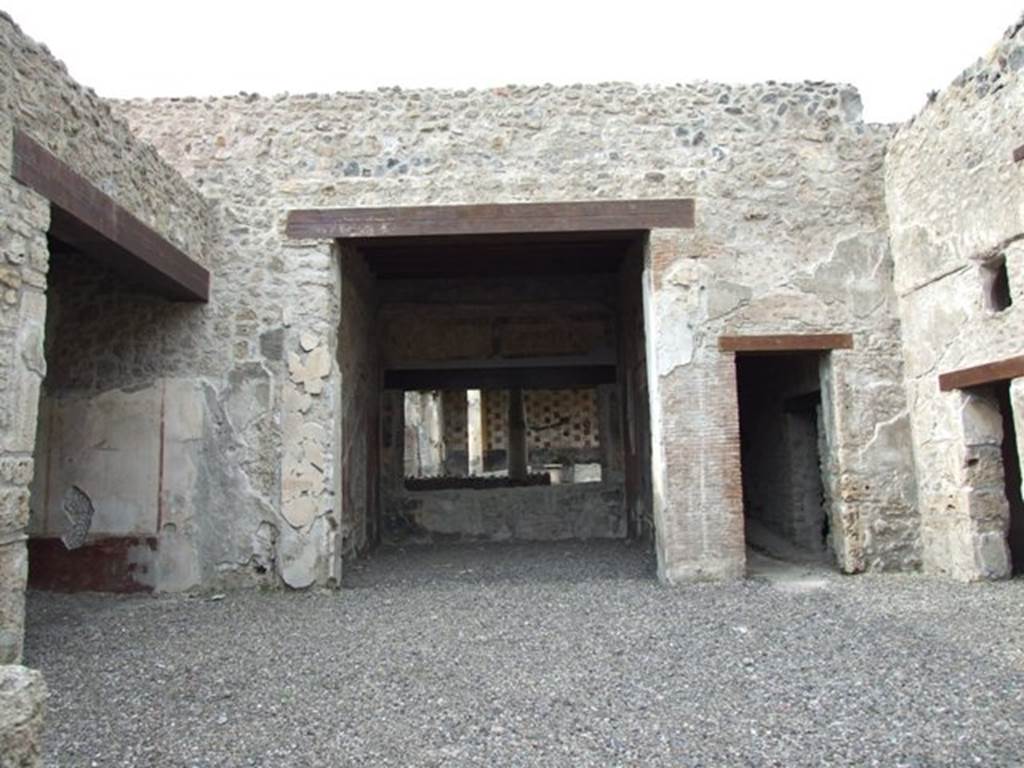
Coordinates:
[791,236]
[542,513]
[22,707]
[956,205]
[486,321]
[38,97]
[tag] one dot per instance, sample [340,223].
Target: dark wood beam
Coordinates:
[976,375]
[491,219]
[539,377]
[793,342]
[88,220]
[1018,154]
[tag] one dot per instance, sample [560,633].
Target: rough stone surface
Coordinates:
[542,513]
[790,237]
[22,705]
[539,655]
[956,202]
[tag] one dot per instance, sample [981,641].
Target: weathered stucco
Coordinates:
[956,202]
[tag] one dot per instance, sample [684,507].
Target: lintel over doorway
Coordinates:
[89,221]
[490,219]
[1001,370]
[791,342]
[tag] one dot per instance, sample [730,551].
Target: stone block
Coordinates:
[982,423]
[14,510]
[22,710]
[298,554]
[991,556]
[13,577]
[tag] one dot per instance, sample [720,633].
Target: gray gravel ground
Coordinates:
[539,655]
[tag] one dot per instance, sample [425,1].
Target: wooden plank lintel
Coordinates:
[87,219]
[490,219]
[539,377]
[1018,154]
[793,342]
[987,373]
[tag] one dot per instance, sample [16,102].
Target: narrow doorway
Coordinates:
[1011,477]
[781,450]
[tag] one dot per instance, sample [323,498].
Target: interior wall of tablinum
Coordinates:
[358,361]
[154,444]
[101,430]
[487,321]
[491,322]
[635,409]
[781,446]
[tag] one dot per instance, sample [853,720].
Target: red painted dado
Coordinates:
[115,564]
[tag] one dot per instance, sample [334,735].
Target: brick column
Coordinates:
[698,507]
[696,478]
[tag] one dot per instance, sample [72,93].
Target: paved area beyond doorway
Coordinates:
[555,654]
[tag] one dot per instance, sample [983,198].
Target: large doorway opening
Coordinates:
[997,394]
[507,379]
[783,452]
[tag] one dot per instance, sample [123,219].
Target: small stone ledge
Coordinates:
[22,708]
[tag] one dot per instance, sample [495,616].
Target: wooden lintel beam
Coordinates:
[490,219]
[793,342]
[976,375]
[86,218]
[539,377]
[1018,154]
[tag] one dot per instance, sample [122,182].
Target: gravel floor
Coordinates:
[540,655]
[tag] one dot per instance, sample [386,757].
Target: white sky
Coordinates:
[894,51]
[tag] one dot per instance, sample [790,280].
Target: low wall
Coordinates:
[537,513]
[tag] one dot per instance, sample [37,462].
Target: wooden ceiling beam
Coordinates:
[87,219]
